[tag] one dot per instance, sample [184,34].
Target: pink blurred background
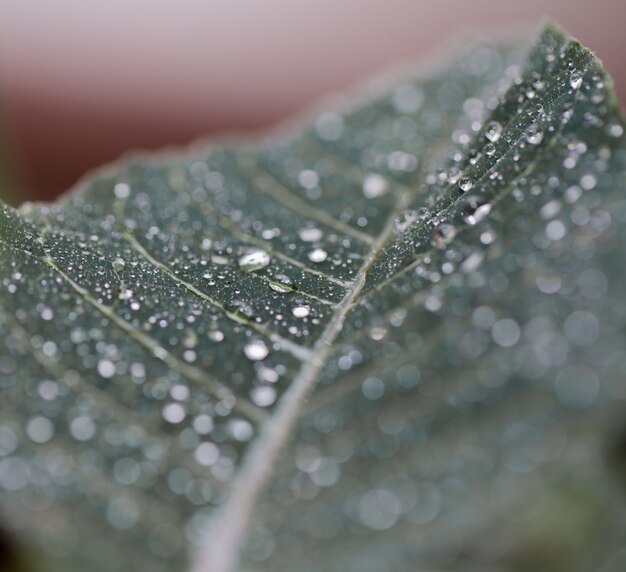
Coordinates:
[81,82]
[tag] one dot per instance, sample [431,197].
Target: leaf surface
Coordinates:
[367,345]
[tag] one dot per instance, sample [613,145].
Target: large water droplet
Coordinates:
[253,260]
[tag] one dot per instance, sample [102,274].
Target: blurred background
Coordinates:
[83,82]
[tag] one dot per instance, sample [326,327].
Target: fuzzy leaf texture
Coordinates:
[391,341]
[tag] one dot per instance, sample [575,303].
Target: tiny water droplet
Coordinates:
[216,335]
[534,135]
[490,149]
[310,234]
[374,185]
[125,294]
[493,131]
[301,311]
[575,80]
[475,214]
[318,255]
[118,264]
[263,396]
[256,350]
[121,191]
[405,220]
[465,184]
[253,260]
[190,340]
[443,235]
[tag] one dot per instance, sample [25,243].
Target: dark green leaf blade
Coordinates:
[442,262]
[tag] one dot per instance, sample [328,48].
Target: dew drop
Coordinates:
[253,260]
[39,429]
[465,184]
[301,311]
[263,396]
[308,179]
[575,80]
[493,131]
[216,335]
[443,235]
[310,234]
[318,255]
[207,454]
[534,136]
[490,149]
[475,214]
[118,264]
[121,191]
[125,294]
[374,185]
[256,350]
[282,283]
[405,220]
[615,130]
[174,413]
[106,368]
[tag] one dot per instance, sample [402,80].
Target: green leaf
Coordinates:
[391,341]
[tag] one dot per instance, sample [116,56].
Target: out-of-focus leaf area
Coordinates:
[393,340]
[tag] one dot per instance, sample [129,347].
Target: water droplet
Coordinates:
[443,235]
[263,396]
[216,335]
[106,368]
[374,185]
[493,131]
[308,179]
[318,255]
[615,130]
[575,80]
[534,135]
[207,454]
[39,429]
[174,413]
[490,149]
[329,126]
[118,264]
[125,294]
[476,212]
[254,259]
[256,350]
[279,280]
[190,339]
[121,190]
[465,184]
[405,220]
[301,311]
[310,234]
